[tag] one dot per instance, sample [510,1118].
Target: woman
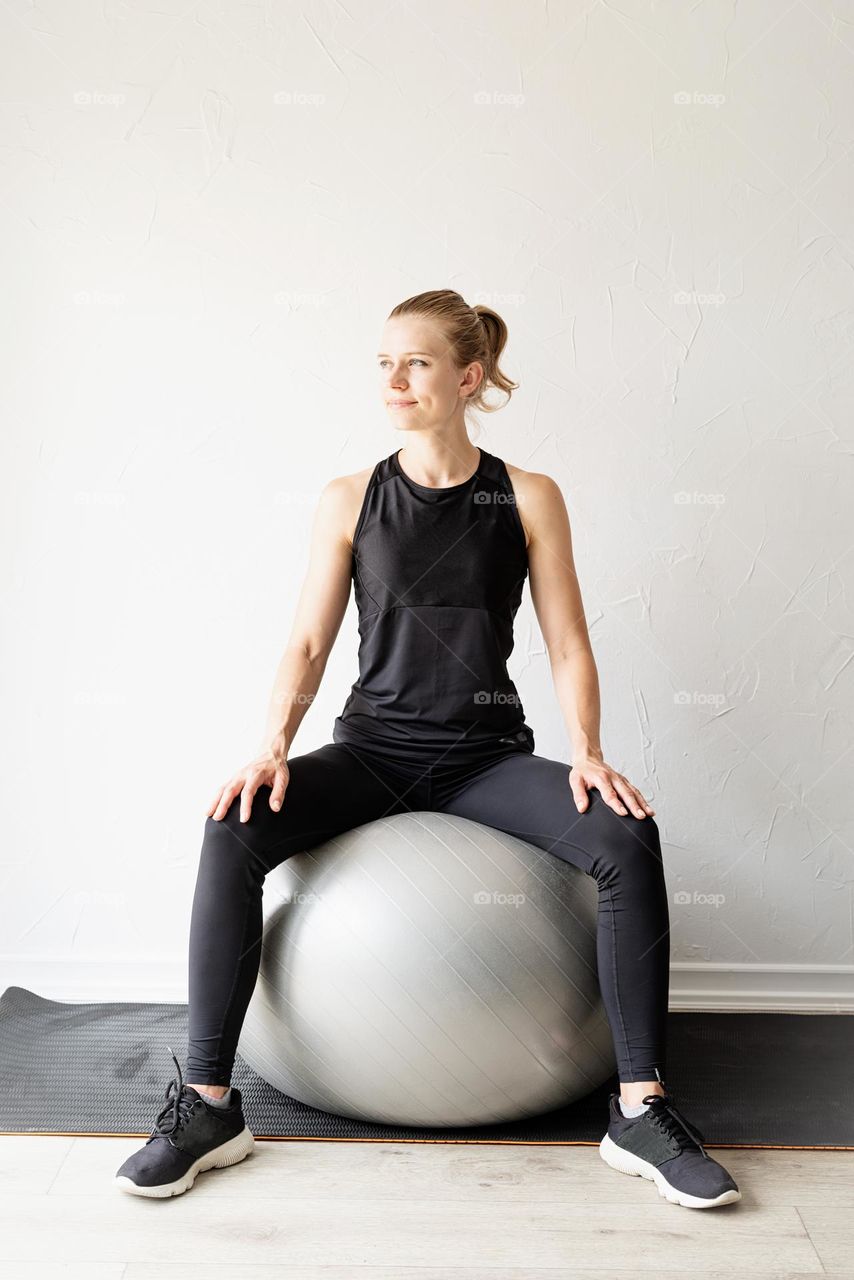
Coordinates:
[438,539]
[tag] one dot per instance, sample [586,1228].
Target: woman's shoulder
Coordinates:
[343,497]
[535,484]
[536,494]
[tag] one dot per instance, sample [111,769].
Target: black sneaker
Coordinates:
[660,1144]
[189,1136]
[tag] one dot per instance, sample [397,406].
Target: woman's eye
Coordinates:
[383,363]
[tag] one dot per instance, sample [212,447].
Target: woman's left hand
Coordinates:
[612,786]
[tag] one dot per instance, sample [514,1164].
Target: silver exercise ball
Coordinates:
[430,971]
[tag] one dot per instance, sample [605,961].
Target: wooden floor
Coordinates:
[400,1211]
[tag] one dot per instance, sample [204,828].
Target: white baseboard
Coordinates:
[694,985]
[767,988]
[82,981]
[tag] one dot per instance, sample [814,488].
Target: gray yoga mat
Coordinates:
[742,1079]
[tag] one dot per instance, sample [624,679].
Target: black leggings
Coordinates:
[335,789]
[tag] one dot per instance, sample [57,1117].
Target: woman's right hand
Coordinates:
[270,769]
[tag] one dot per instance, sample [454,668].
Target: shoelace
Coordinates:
[177,1108]
[667,1117]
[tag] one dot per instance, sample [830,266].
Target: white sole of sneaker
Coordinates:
[231,1152]
[628,1162]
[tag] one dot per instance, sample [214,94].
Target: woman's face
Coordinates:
[419,382]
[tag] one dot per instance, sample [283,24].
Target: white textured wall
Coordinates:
[207,211]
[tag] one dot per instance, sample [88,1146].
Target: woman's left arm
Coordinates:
[560,613]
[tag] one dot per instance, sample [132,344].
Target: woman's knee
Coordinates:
[230,841]
[631,850]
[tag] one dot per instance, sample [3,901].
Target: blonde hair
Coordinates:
[472,333]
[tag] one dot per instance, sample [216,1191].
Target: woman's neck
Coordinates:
[438,464]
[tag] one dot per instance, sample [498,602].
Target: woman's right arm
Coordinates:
[320,610]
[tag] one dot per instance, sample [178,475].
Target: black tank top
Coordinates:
[438,577]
